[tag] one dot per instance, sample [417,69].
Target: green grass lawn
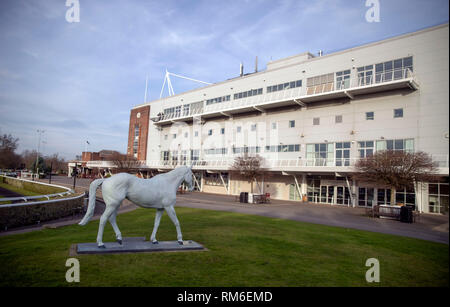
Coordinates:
[244,250]
[17,190]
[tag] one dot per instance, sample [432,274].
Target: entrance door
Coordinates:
[365,197]
[343,196]
[327,194]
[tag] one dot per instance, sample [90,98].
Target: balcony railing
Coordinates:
[300,95]
[309,164]
[316,163]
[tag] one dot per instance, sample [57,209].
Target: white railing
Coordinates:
[267,163]
[441,161]
[297,93]
[100,164]
[48,196]
[387,76]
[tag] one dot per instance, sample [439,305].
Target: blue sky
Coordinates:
[78,81]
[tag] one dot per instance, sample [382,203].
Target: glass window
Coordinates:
[398,113]
[291,123]
[338,119]
[370,115]
[274,126]
[365,149]
[238,129]
[343,154]
[316,121]
[222,130]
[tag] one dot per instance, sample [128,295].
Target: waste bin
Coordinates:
[243,197]
[406,214]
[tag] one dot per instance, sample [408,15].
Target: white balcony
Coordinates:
[386,81]
[321,165]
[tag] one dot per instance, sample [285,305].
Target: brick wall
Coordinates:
[139,116]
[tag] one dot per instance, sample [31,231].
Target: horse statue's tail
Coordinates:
[91,207]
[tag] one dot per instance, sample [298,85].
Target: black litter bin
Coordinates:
[243,197]
[406,214]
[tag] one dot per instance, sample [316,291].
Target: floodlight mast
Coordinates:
[169,82]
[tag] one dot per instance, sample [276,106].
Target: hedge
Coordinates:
[32,214]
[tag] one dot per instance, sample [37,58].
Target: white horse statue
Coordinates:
[158,192]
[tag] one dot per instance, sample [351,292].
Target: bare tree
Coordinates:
[124,163]
[8,157]
[395,169]
[249,167]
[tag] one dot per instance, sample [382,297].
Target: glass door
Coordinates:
[342,196]
[365,197]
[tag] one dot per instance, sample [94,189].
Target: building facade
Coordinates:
[311,118]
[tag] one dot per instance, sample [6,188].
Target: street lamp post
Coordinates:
[37,155]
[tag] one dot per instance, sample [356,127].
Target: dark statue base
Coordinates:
[137,245]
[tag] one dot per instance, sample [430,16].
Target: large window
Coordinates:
[402,144]
[343,79]
[383,196]
[177,111]
[246,149]
[218,100]
[365,197]
[438,197]
[165,155]
[366,148]
[284,86]
[405,196]
[283,148]
[320,84]
[195,155]
[343,154]
[249,93]
[216,151]
[319,154]
[215,179]
[393,70]
[186,108]
[365,75]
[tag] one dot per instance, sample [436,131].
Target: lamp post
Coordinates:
[37,155]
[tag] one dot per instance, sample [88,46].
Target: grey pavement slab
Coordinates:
[137,245]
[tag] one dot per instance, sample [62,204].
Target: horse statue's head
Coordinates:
[188,178]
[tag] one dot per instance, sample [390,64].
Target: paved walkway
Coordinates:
[430,227]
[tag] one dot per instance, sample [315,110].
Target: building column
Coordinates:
[304,186]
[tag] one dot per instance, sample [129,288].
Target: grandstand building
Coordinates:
[311,117]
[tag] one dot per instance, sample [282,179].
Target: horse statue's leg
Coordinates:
[103,219]
[112,220]
[173,216]
[158,215]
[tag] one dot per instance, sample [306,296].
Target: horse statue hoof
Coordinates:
[119,241]
[155,242]
[180,242]
[102,246]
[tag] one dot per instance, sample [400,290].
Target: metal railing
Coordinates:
[48,196]
[442,161]
[297,93]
